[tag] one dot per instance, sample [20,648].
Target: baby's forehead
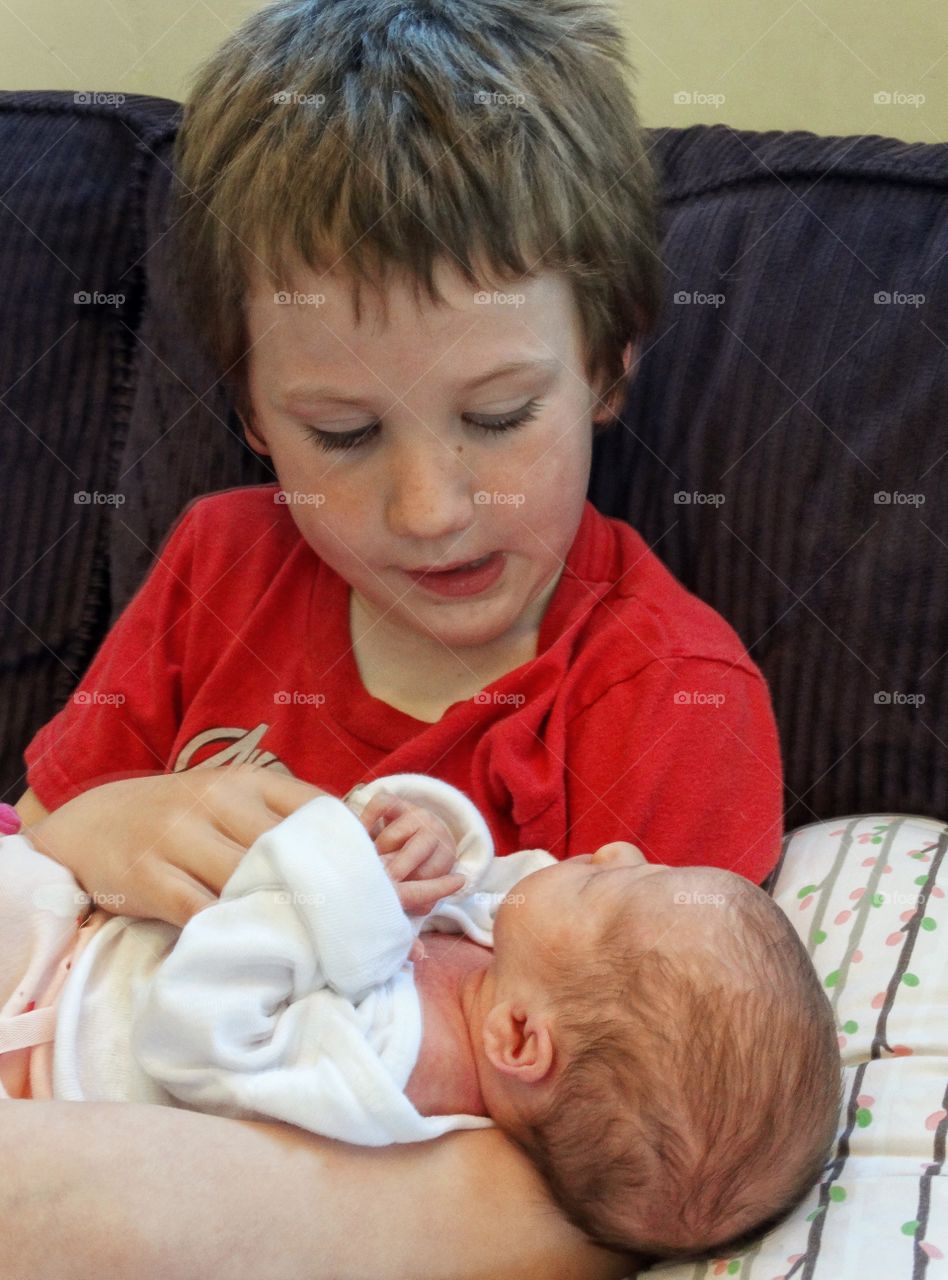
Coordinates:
[690,899]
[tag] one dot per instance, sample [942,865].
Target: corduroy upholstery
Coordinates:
[797,398]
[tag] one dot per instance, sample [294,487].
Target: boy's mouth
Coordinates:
[465,579]
[460,564]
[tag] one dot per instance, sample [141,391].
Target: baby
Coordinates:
[655,1039]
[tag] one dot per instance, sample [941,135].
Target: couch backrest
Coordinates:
[780,395]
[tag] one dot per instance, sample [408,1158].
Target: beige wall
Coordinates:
[754,64]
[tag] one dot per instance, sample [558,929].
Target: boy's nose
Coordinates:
[619,852]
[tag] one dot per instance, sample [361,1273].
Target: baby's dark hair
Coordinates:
[370,135]
[701,1093]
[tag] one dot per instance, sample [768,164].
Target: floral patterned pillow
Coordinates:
[867,895]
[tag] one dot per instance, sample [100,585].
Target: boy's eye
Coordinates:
[330,440]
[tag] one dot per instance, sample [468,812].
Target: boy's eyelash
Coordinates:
[331,440]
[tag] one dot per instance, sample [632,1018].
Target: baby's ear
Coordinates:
[518,1043]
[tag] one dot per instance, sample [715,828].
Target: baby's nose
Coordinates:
[619,852]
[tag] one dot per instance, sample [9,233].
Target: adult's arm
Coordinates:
[155,1193]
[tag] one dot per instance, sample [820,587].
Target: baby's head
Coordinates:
[657,1040]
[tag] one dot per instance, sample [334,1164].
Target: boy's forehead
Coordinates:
[390,304]
[309,345]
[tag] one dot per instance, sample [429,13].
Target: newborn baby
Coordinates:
[654,1038]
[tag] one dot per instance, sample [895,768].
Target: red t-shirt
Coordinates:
[641,718]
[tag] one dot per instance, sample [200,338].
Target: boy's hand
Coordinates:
[163,846]
[417,850]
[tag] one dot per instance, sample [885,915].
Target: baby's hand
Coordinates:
[417,850]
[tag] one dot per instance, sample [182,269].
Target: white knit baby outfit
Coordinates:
[292,997]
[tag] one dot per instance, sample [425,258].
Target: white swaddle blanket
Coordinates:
[292,997]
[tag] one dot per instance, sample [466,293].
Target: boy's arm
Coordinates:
[163,1194]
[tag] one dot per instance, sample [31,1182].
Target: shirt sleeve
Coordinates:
[682,760]
[121,719]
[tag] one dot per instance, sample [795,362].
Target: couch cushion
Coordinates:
[82,413]
[779,396]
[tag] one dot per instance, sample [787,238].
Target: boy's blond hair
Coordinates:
[692,1115]
[372,135]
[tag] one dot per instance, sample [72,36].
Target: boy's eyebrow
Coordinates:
[307,392]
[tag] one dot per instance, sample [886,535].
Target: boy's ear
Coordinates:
[612,402]
[518,1043]
[256,442]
